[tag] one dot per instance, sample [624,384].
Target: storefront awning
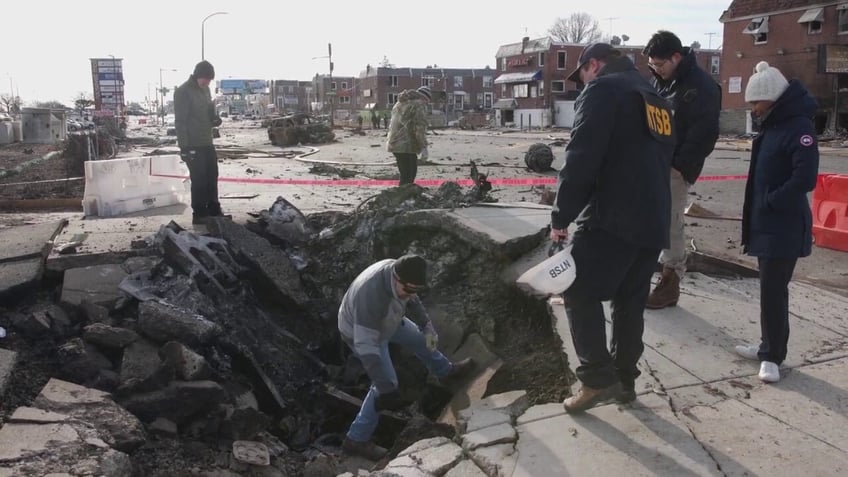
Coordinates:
[812,15]
[505,104]
[758,25]
[519,77]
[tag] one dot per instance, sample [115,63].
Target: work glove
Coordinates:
[216,122]
[431,338]
[424,154]
[390,401]
[187,154]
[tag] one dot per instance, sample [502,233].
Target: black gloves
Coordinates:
[388,402]
[186,153]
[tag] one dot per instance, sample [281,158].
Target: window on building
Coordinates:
[488,81]
[458,102]
[813,18]
[715,62]
[561,56]
[457,81]
[487,100]
[541,58]
[503,64]
[503,90]
[479,100]
[344,85]
[333,85]
[428,81]
[758,29]
[392,98]
[842,20]
[393,81]
[344,99]
[558,86]
[520,90]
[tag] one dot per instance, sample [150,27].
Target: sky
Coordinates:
[47,45]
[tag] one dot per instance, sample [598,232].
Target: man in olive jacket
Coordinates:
[696,100]
[408,132]
[615,187]
[195,117]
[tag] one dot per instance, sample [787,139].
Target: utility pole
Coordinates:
[610,24]
[332,98]
[710,35]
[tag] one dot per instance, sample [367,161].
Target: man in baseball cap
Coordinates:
[597,51]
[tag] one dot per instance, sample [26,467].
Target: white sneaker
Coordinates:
[769,372]
[748,351]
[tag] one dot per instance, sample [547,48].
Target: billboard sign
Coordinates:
[242,86]
[107,76]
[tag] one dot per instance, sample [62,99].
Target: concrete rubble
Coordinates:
[223,338]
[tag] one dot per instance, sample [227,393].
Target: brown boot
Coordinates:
[367,449]
[587,397]
[667,291]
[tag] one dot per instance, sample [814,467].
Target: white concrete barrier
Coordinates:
[120,186]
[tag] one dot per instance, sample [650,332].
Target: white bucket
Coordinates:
[553,275]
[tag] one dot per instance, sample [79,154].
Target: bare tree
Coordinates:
[385,63]
[82,102]
[11,104]
[53,104]
[696,45]
[578,27]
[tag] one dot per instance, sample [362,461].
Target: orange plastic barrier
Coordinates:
[830,212]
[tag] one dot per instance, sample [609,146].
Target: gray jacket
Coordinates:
[370,314]
[194,114]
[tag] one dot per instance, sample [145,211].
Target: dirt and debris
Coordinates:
[232,336]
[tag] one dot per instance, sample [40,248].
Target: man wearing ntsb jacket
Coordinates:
[696,100]
[615,185]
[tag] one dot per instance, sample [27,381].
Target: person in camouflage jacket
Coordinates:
[408,132]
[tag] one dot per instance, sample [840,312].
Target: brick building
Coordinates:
[531,89]
[291,95]
[805,39]
[456,91]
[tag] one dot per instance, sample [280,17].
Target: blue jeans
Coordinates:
[412,339]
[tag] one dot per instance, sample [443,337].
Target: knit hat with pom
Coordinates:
[766,84]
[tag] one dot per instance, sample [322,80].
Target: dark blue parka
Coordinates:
[617,164]
[696,99]
[776,217]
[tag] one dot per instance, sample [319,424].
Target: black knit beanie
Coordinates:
[411,269]
[204,69]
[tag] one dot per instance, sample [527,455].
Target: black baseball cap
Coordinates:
[592,50]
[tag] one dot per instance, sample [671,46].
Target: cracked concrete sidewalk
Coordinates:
[701,409]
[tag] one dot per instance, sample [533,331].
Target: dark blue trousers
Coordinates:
[608,268]
[775,274]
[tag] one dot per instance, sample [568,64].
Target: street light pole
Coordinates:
[330,56]
[203,33]
[162,95]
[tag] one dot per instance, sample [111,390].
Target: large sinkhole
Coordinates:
[238,329]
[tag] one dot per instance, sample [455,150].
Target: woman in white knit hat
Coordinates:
[777,222]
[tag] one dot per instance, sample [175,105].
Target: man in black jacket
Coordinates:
[696,100]
[615,186]
[195,117]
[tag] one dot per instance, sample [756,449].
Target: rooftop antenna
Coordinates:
[710,35]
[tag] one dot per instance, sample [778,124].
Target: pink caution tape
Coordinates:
[519,181]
